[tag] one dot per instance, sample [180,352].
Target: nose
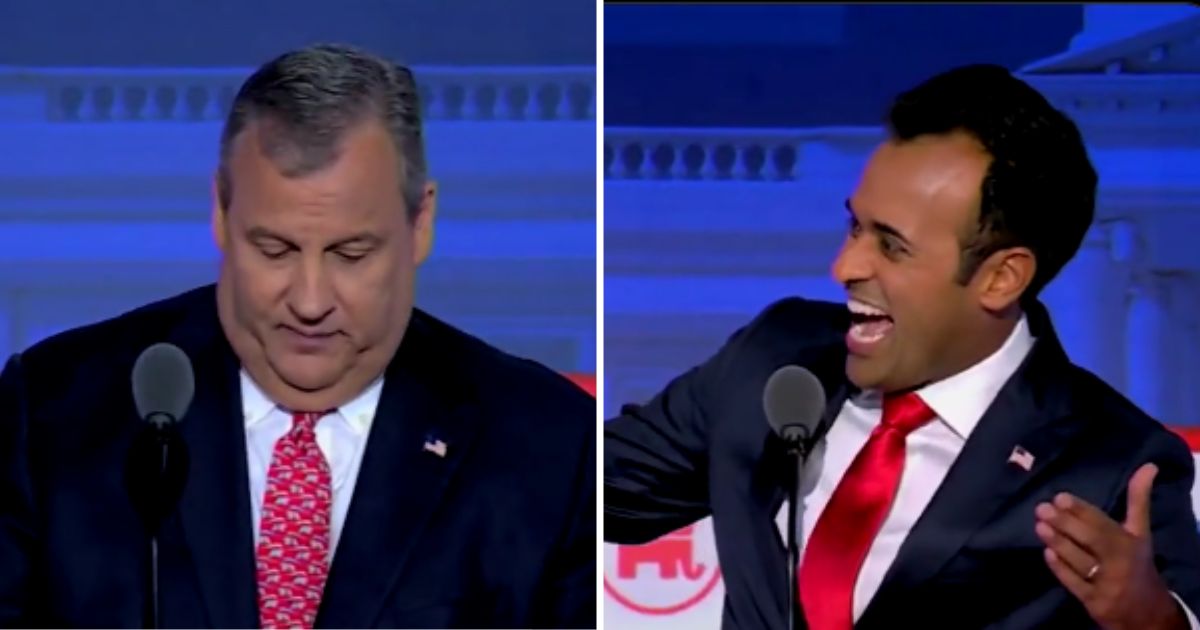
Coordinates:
[852,264]
[311,296]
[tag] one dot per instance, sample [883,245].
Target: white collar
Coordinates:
[961,400]
[359,412]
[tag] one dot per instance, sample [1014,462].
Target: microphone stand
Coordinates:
[162,446]
[798,447]
[160,462]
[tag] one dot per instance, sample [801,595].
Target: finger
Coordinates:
[1083,510]
[1137,512]
[1072,555]
[1079,587]
[1095,534]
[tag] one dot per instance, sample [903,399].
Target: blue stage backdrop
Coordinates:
[109,123]
[734,133]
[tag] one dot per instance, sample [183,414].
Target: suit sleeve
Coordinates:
[17,533]
[1176,541]
[656,454]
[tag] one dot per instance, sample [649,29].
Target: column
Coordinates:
[1147,368]
[1086,304]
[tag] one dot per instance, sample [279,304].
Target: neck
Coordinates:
[985,340]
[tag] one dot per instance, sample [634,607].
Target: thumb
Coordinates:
[1137,511]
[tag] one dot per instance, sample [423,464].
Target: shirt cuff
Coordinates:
[1192,623]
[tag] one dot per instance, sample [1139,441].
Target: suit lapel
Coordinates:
[401,481]
[215,507]
[1029,412]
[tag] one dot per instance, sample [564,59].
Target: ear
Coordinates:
[1004,276]
[423,224]
[219,232]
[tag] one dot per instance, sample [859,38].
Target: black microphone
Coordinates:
[794,402]
[163,386]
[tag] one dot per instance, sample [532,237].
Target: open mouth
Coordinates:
[868,324]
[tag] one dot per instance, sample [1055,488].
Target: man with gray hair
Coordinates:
[354,462]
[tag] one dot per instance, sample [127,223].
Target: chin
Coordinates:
[873,374]
[305,372]
[309,382]
[861,373]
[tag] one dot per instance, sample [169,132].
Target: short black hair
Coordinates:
[1039,190]
[306,100]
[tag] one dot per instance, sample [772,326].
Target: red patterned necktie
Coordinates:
[844,532]
[293,546]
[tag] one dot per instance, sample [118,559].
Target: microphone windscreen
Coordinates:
[793,397]
[163,384]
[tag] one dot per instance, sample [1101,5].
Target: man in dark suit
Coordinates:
[354,462]
[965,473]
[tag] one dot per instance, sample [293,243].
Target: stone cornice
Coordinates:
[97,95]
[1127,110]
[1120,92]
[1165,49]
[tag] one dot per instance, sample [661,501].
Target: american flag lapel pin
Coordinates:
[1021,457]
[435,445]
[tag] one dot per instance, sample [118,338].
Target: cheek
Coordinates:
[916,303]
[257,281]
[933,313]
[372,294]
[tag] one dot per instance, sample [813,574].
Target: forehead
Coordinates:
[362,171]
[928,182]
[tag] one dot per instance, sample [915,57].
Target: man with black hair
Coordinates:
[967,474]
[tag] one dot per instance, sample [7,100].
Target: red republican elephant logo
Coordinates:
[672,554]
[664,576]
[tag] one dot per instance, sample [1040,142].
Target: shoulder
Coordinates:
[1122,425]
[800,322]
[797,315]
[534,431]
[792,330]
[99,347]
[515,391]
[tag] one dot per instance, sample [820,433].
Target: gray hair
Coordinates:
[304,101]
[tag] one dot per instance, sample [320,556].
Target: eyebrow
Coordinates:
[259,232]
[364,238]
[879,226]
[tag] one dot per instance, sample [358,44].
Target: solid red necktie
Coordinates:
[844,532]
[293,547]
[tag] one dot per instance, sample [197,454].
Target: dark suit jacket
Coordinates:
[702,447]
[498,533]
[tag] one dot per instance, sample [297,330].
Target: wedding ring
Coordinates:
[1092,572]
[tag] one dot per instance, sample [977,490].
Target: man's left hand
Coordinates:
[1108,565]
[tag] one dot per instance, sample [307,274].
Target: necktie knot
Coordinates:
[906,412]
[306,421]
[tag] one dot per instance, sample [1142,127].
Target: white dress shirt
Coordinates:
[959,402]
[341,436]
